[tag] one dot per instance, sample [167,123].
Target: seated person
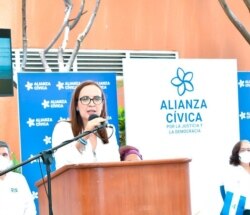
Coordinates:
[236,193]
[129,153]
[15,194]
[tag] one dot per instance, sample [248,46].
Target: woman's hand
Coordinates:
[92,124]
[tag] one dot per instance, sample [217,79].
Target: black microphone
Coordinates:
[102,125]
[92,116]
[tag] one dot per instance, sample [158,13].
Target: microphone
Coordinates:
[92,116]
[102,125]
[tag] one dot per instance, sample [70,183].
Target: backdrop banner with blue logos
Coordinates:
[185,108]
[43,100]
[244,104]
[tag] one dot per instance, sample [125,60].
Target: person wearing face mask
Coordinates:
[15,195]
[237,181]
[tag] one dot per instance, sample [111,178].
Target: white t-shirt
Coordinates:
[15,196]
[69,154]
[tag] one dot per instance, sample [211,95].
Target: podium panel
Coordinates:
[125,188]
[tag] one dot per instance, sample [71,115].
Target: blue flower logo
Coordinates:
[183,81]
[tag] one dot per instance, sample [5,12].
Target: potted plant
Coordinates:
[122,127]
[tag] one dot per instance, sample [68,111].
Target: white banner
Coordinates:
[185,108]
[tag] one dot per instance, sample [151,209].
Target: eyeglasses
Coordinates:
[245,149]
[85,100]
[4,154]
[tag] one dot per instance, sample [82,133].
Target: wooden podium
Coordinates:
[148,187]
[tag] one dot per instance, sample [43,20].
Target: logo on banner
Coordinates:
[37,85]
[183,115]
[183,82]
[71,85]
[55,103]
[38,122]
[67,85]
[244,83]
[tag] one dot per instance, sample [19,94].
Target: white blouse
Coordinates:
[69,154]
[238,181]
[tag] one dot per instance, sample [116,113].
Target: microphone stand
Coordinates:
[47,157]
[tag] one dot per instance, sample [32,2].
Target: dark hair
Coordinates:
[4,144]
[77,123]
[127,150]
[234,158]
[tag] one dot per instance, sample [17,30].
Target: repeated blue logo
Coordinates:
[183,81]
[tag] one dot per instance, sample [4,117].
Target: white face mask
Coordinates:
[5,163]
[244,157]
